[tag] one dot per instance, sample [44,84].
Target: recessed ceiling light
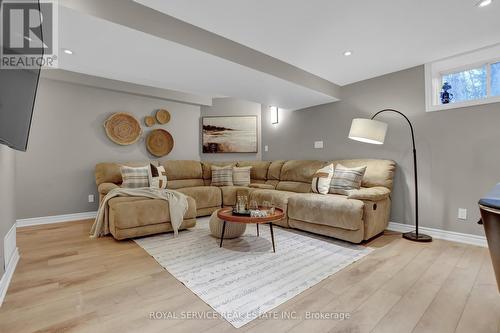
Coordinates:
[347,53]
[484,3]
[68,51]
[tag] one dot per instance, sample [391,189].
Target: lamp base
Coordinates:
[420,238]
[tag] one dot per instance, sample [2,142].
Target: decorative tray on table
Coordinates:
[241,213]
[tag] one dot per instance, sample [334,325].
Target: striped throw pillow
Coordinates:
[345,179]
[321,180]
[157,177]
[241,176]
[135,177]
[222,176]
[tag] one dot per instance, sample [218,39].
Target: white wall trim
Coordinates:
[441,234]
[9,244]
[11,255]
[55,219]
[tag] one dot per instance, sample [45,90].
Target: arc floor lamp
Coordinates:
[373,131]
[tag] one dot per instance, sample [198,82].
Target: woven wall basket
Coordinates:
[123,129]
[149,121]
[159,142]
[163,116]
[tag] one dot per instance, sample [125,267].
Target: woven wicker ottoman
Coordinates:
[233,230]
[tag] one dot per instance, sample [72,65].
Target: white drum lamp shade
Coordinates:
[368,130]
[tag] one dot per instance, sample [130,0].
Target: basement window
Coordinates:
[465,80]
[495,79]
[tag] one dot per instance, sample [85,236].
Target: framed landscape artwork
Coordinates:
[229,134]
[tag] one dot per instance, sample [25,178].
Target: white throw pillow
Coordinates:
[241,176]
[222,176]
[157,177]
[345,179]
[321,180]
[135,177]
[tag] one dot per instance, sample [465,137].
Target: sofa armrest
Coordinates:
[262,186]
[104,188]
[370,193]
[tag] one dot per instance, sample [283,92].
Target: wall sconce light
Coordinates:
[274,114]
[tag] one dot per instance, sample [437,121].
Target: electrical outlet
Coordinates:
[91,198]
[318,144]
[266,148]
[462,214]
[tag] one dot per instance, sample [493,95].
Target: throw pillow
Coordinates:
[135,177]
[241,176]
[345,179]
[157,177]
[222,176]
[322,179]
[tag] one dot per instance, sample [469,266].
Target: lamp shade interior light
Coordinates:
[368,130]
[484,3]
[274,114]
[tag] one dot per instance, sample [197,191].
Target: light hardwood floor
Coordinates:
[66,282]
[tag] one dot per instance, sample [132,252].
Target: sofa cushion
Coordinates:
[222,176]
[205,196]
[104,188]
[259,169]
[321,180]
[207,169]
[181,183]
[376,193]
[274,171]
[241,176]
[111,173]
[276,198]
[135,177]
[186,169]
[346,179]
[183,173]
[300,171]
[297,176]
[131,212]
[297,187]
[229,194]
[157,176]
[378,172]
[330,210]
[262,186]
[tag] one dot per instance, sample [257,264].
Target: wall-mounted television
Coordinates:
[17,98]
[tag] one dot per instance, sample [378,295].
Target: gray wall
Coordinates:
[457,149]
[56,174]
[7,203]
[233,107]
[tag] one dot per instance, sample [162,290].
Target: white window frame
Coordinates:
[434,72]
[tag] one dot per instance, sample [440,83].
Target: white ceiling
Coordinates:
[384,35]
[112,51]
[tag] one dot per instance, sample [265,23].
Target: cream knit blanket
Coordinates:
[177,203]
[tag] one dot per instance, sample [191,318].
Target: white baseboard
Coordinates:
[11,257]
[399,227]
[441,234]
[55,219]
[9,244]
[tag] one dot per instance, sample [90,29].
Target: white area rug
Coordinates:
[245,279]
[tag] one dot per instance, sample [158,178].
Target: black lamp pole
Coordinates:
[414,236]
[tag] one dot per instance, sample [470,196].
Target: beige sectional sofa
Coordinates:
[362,214]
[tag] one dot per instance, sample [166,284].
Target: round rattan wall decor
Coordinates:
[122,128]
[159,142]
[149,121]
[163,116]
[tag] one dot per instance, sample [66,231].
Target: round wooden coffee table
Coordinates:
[226,215]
